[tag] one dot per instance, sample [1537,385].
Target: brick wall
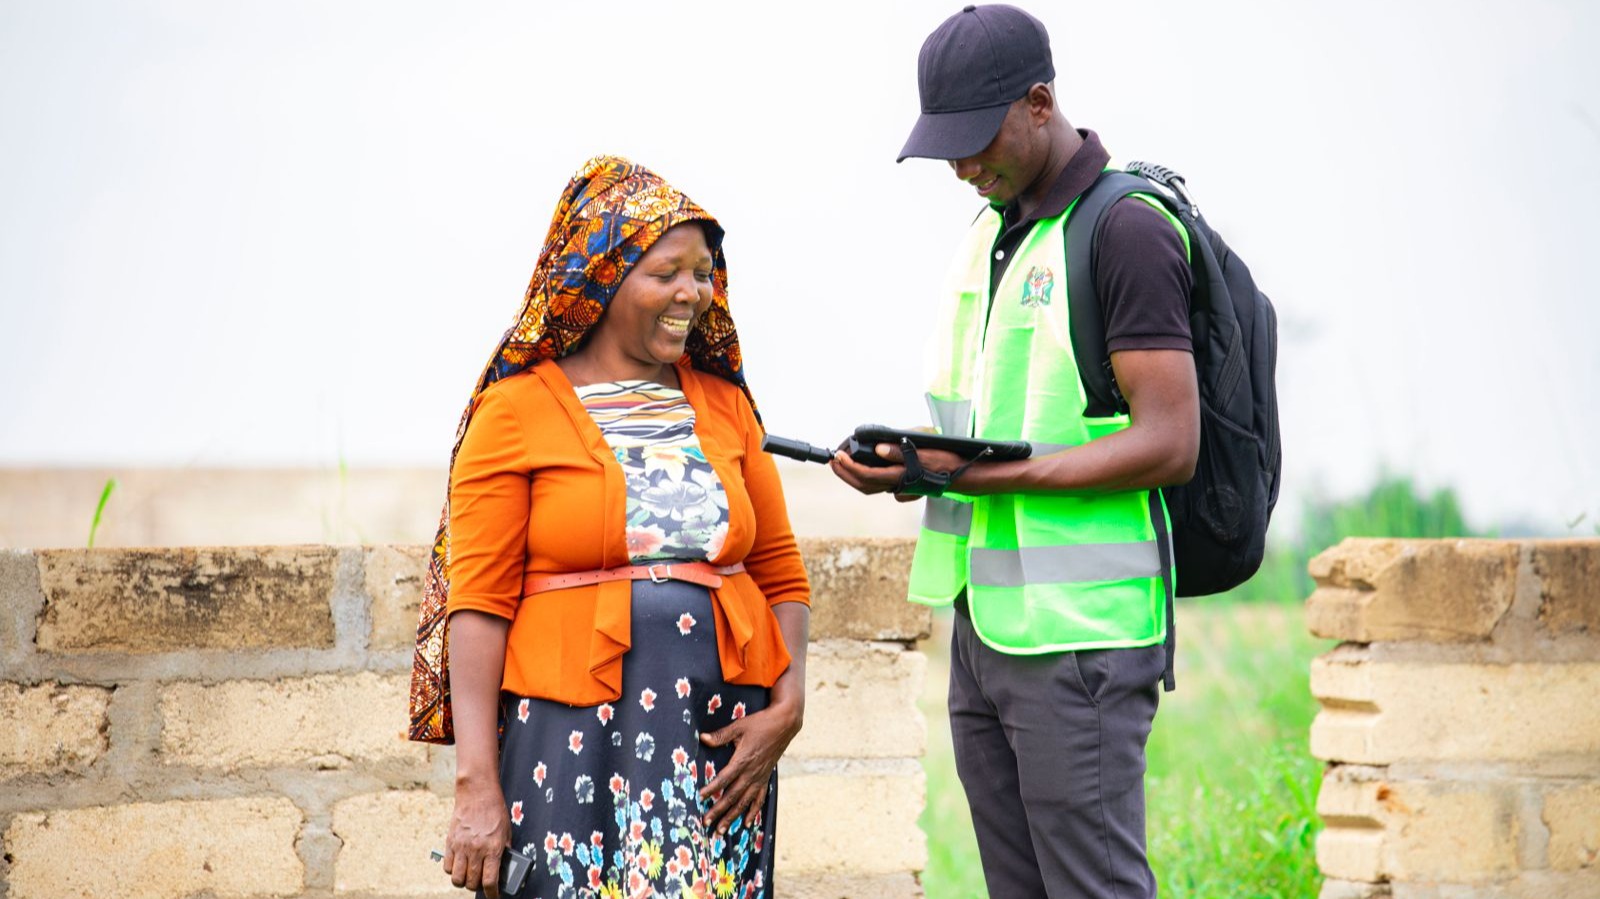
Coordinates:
[187,505]
[228,722]
[1460,719]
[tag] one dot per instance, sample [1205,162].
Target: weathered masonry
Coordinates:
[228,723]
[1461,718]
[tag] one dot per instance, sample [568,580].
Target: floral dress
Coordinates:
[605,799]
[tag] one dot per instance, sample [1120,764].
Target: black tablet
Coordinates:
[862,445]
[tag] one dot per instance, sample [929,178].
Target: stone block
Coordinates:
[1381,829]
[861,702]
[1527,885]
[1569,579]
[846,886]
[219,848]
[394,576]
[386,839]
[1349,889]
[1379,713]
[1354,852]
[321,722]
[858,589]
[1572,814]
[824,820]
[51,728]
[1433,590]
[166,600]
[20,600]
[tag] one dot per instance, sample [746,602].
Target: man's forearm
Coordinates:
[1127,460]
[1158,449]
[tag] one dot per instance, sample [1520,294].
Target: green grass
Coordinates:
[1231,787]
[100,508]
[953,870]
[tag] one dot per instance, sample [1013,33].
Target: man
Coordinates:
[1059,565]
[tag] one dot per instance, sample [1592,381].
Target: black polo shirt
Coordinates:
[1140,269]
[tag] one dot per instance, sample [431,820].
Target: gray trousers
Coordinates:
[1050,750]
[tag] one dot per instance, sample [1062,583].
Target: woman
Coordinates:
[625,598]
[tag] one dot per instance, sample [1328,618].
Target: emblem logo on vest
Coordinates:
[1036,290]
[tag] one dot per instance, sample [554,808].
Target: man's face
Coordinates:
[1004,169]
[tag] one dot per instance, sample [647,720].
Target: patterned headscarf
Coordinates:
[609,215]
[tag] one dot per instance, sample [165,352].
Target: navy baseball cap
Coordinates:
[971,69]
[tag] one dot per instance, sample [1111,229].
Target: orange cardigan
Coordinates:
[536,490]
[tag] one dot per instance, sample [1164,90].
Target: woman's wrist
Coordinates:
[474,778]
[787,716]
[788,700]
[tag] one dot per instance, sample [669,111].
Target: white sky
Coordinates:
[290,233]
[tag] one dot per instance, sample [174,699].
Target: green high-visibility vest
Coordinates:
[1043,572]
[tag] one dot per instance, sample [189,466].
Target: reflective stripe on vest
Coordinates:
[1071,564]
[947,516]
[1043,572]
[950,416]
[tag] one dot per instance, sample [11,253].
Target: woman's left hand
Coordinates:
[759,739]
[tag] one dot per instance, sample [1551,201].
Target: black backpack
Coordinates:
[1219,519]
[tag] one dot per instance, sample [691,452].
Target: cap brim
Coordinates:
[953,135]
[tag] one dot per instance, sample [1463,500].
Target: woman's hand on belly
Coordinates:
[759,740]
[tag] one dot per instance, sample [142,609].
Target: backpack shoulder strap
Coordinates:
[1088,324]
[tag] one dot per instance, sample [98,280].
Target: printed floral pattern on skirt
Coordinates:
[605,799]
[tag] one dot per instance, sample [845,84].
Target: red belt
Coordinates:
[703,573]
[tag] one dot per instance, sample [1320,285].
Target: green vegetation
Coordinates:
[100,508]
[338,525]
[1392,507]
[1231,785]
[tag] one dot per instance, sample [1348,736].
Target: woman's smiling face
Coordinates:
[649,319]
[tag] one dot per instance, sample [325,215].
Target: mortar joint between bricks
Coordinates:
[351,606]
